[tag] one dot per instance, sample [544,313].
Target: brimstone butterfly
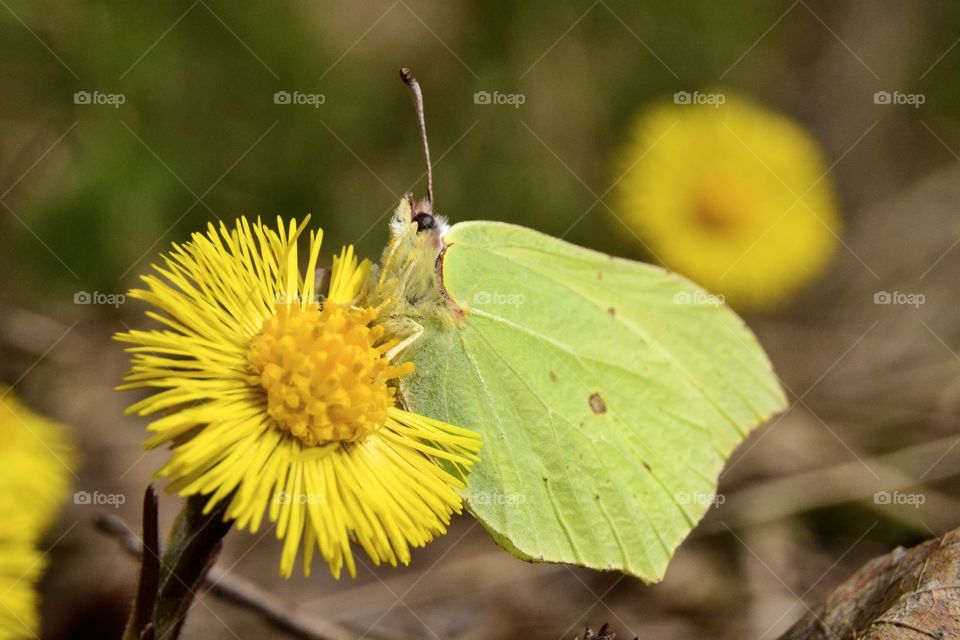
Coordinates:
[609,393]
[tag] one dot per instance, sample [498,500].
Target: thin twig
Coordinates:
[280,613]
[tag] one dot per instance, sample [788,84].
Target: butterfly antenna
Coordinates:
[411,82]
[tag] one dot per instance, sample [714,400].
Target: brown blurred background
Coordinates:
[179,126]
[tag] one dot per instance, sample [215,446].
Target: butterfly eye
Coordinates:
[424,221]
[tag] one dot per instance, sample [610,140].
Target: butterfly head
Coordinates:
[408,272]
[430,227]
[425,222]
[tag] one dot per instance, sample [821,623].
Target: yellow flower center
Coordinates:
[325,372]
[721,205]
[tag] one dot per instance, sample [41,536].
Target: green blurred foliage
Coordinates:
[199,118]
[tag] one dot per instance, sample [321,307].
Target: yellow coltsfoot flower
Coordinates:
[281,401]
[731,195]
[36,459]
[35,472]
[20,568]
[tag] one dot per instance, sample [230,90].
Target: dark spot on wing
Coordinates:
[599,275]
[597,405]
[646,466]
[553,377]
[612,311]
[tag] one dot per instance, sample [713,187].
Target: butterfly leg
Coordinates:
[416,330]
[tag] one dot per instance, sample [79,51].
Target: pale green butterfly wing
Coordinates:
[609,394]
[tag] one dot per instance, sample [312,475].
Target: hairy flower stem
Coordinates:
[168,587]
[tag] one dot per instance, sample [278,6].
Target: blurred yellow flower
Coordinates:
[731,195]
[36,459]
[20,568]
[281,400]
[35,462]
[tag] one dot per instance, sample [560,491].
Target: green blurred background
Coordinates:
[92,192]
[199,120]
